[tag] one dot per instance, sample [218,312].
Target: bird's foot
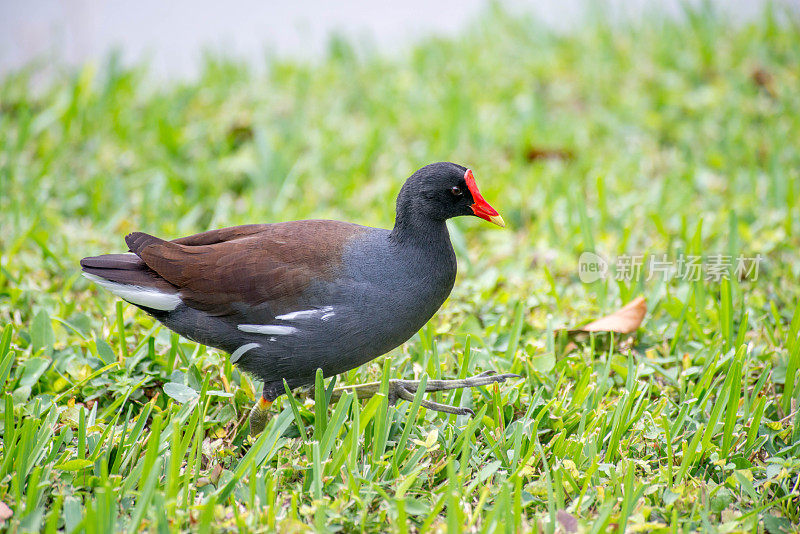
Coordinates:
[405,390]
[259,416]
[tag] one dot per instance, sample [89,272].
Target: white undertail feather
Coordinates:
[139,295]
[241,350]
[267,329]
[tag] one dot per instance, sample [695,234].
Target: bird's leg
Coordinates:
[398,389]
[259,415]
[405,389]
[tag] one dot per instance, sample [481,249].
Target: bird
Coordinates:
[287,298]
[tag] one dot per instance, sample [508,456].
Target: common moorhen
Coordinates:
[287,298]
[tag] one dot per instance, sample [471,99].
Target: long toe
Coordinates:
[398,391]
[483,379]
[405,389]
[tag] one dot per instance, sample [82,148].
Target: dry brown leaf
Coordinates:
[215,473]
[623,321]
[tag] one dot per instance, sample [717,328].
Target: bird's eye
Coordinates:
[456,191]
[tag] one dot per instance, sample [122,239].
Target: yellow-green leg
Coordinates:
[259,416]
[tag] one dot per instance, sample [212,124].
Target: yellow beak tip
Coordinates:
[498,220]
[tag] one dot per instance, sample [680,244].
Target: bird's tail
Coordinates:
[128,277]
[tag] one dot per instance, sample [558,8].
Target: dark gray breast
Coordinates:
[383,295]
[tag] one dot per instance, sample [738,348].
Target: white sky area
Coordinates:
[172,34]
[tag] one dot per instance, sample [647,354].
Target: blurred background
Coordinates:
[601,125]
[661,129]
[172,36]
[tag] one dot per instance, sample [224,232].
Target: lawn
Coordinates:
[663,138]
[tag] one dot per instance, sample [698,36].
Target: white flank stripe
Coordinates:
[267,329]
[306,314]
[139,295]
[241,350]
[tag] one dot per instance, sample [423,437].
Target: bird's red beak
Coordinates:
[481,208]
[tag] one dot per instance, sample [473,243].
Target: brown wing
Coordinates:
[253,265]
[223,234]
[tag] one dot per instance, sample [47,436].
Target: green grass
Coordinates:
[658,137]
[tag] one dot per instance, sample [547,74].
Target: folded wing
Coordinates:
[220,271]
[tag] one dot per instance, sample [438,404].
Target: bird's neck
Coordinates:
[412,228]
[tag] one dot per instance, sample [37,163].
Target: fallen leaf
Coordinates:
[623,321]
[216,472]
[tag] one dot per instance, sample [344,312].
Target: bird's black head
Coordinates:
[443,190]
